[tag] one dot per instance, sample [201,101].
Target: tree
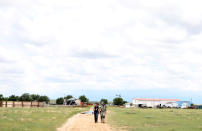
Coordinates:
[1,97]
[44,99]
[5,98]
[60,101]
[68,97]
[118,101]
[25,97]
[13,98]
[35,97]
[83,98]
[104,100]
[124,102]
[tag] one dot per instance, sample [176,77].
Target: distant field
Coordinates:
[156,119]
[35,119]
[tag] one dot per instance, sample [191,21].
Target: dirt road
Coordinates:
[84,122]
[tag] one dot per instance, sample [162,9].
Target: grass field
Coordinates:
[156,119]
[35,119]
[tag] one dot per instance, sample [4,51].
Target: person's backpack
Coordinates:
[96,109]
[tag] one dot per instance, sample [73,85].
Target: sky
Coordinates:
[136,48]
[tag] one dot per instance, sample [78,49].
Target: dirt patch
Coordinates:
[84,122]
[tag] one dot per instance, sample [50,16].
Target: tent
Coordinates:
[73,101]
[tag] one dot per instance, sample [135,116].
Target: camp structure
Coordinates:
[73,101]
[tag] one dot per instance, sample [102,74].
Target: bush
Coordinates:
[60,101]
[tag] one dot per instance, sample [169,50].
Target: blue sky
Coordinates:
[137,48]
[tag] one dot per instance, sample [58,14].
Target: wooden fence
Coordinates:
[21,104]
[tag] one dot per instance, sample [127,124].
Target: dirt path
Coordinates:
[84,122]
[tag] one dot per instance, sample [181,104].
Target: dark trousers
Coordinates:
[96,116]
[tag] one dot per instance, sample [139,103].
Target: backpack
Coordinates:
[96,109]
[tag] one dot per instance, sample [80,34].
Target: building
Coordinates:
[183,104]
[198,106]
[147,102]
[127,105]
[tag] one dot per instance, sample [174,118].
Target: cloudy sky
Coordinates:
[137,48]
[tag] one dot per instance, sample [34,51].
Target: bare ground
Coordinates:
[84,122]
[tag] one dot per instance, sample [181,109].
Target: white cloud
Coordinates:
[70,45]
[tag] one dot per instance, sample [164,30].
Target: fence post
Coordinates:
[31,103]
[22,104]
[1,103]
[13,103]
[38,103]
[6,103]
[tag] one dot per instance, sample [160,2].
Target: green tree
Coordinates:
[44,99]
[25,97]
[124,102]
[118,101]
[104,100]
[68,97]
[35,97]
[13,98]
[1,97]
[60,101]
[83,98]
[5,98]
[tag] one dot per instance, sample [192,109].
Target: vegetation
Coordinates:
[35,119]
[43,99]
[26,97]
[68,97]
[13,98]
[1,97]
[35,97]
[104,100]
[60,101]
[156,119]
[119,101]
[83,98]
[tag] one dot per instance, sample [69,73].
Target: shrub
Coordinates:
[60,101]
[83,98]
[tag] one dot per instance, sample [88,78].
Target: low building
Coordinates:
[198,106]
[127,105]
[147,102]
[183,104]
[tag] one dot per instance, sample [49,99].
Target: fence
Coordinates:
[21,104]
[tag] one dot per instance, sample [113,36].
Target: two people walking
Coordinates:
[102,110]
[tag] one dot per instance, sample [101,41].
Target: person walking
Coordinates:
[103,110]
[96,112]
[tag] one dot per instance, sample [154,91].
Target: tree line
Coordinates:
[26,97]
[116,101]
[35,97]
[82,98]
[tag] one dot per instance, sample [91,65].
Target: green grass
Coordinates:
[35,119]
[156,119]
